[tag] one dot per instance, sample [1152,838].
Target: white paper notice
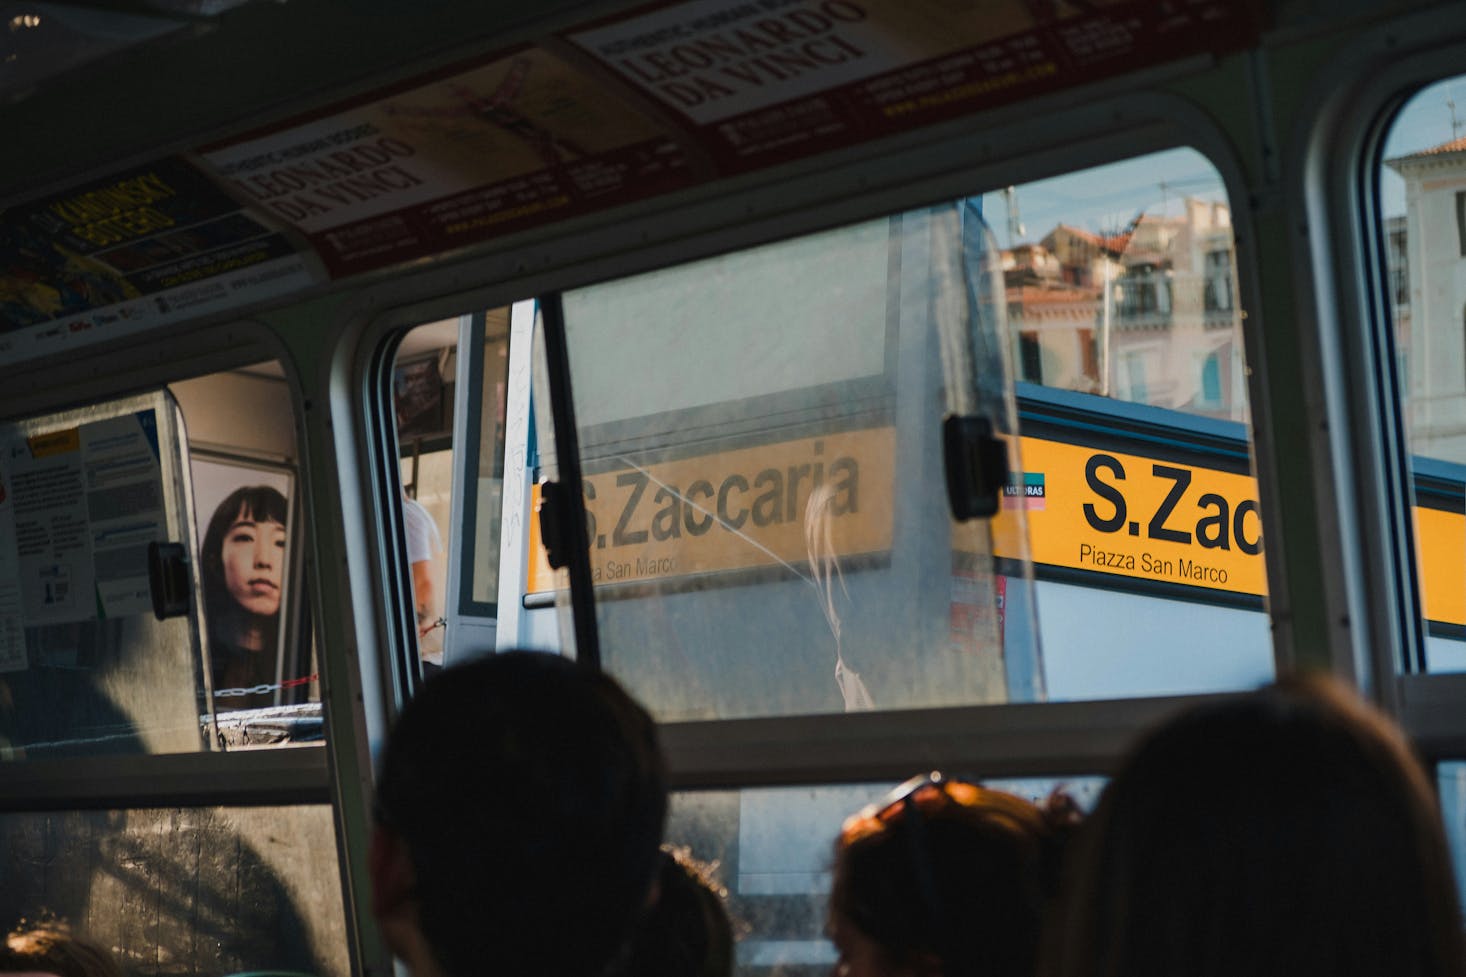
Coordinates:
[13,656]
[52,544]
[124,489]
[86,503]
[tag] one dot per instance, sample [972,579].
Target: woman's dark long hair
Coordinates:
[259,503]
[1287,832]
[687,931]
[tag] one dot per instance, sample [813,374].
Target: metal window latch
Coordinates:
[977,466]
[168,579]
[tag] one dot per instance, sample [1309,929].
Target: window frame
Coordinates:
[203,779]
[736,753]
[1040,138]
[1461,222]
[1353,103]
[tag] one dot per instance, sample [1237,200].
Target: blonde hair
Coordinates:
[50,947]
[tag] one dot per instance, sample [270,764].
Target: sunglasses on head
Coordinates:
[919,788]
[904,804]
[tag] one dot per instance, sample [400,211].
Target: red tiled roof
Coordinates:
[1086,235]
[1454,146]
[1113,243]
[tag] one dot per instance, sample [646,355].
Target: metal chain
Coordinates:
[263,689]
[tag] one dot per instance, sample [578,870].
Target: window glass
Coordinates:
[184,890]
[772,850]
[1137,259]
[443,433]
[488,474]
[761,440]
[753,547]
[1451,786]
[423,392]
[1422,186]
[1142,506]
[257,640]
[87,668]
[87,493]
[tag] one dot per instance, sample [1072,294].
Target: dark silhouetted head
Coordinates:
[686,932]
[1285,832]
[529,795]
[947,878]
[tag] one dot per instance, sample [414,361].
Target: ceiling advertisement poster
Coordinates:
[149,245]
[766,80]
[624,109]
[521,140]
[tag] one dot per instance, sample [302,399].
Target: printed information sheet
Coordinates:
[80,507]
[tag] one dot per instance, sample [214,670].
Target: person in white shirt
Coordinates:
[424,544]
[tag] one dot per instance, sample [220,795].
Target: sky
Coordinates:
[1425,121]
[1106,198]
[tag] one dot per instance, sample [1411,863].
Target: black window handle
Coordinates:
[168,579]
[977,466]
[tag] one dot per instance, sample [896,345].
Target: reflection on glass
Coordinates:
[762,448]
[765,473]
[427,480]
[489,482]
[422,378]
[1423,205]
[772,850]
[1451,785]
[104,687]
[429,408]
[85,667]
[1127,286]
[184,891]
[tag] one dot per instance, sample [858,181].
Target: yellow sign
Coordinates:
[1441,553]
[1127,515]
[55,443]
[1086,509]
[735,510]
